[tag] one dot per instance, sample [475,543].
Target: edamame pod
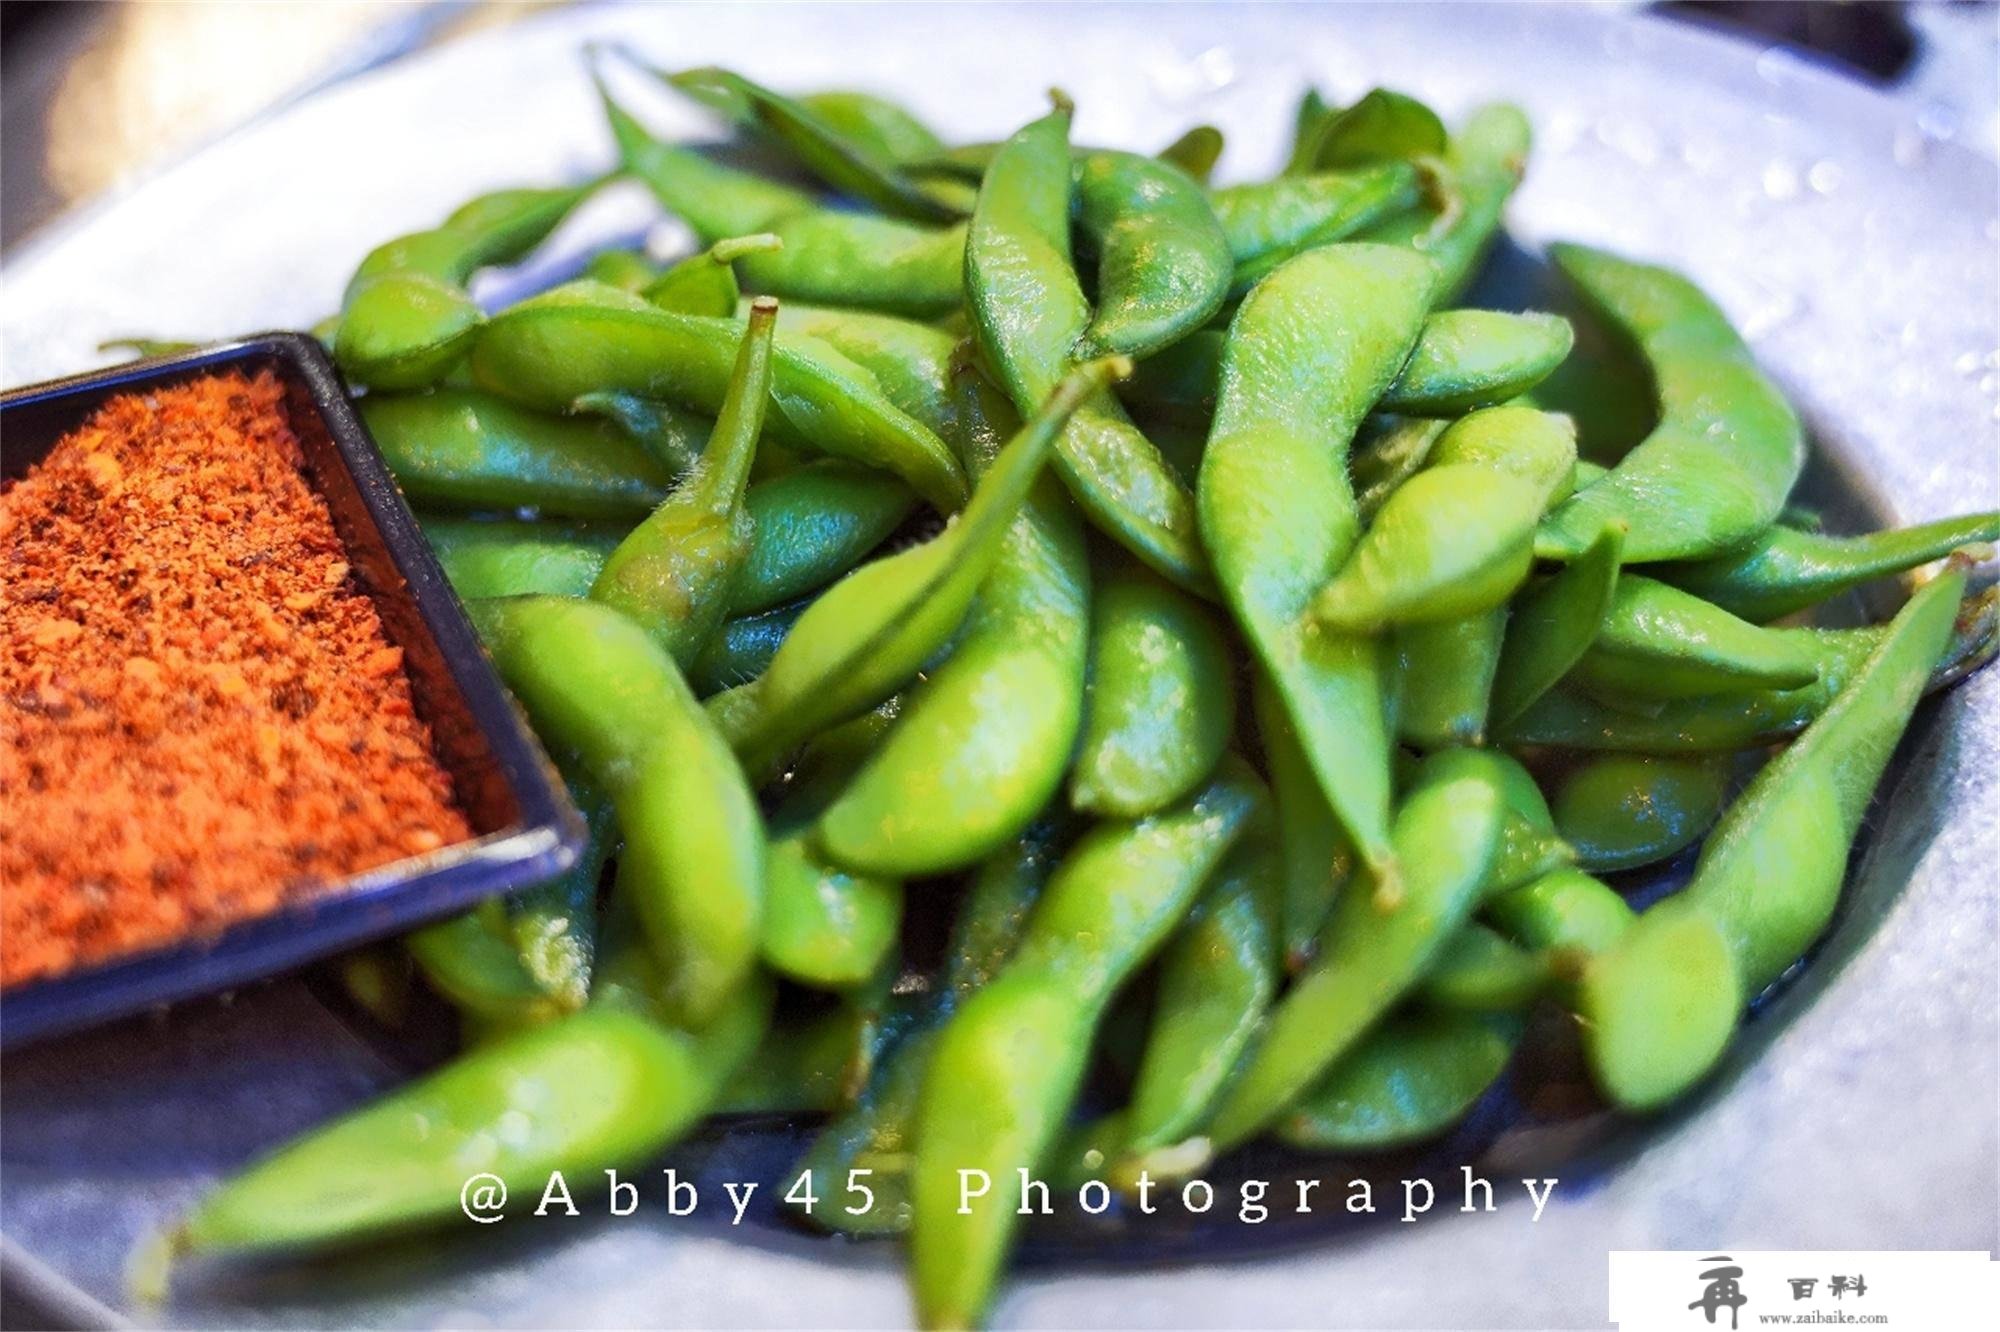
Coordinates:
[1195,152]
[1446,834]
[510,558]
[822,925]
[1658,642]
[1468,359]
[1714,474]
[985,739]
[871,632]
[849,165]
[1161,702]
[693,866]
[1621,811]
[1481,971]
[1318,859]
[1006,1068]
[1565,908]
[673,436]
[859,260]
[1029,311]
[1163,263]
[706,283]
[673,574]
[811,525]
[462,448]
[1309,352]
[1218,976]
[1572,720]
[406,318]
[1410,1079]
[1444,683]
[1456,538]
[553,349]
[1553,623]
[604,1087]
[716,201]
[1767,882]
[1787,570]
[888,129]
[1484,161]
[1272,221]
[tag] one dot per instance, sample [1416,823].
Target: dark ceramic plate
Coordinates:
[525,828]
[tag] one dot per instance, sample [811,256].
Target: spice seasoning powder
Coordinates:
[200,716]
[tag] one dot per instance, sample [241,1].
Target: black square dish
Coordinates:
[525,828]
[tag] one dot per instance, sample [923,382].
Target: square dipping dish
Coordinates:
[524,827]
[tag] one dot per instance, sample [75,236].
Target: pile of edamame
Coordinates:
[1174,581]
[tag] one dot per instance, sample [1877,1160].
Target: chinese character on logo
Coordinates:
[1723,1291]
[1802,1287]
[1841,1285]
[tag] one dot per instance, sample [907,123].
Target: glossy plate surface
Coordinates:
[1858,254]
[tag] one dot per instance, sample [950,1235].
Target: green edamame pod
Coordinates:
[849,165]
[1309,352]
[1163,264]
[473,961]
[822,925]
[855,259]
[554,926]
[1658,642]
[1307,119]
[984,741]
[674,573]
[598,685]
[870,633]
[1553,623]
[1468,359]
[1218,977]
[1484,161]
[706,283]
[888,129]
[877,1133]
[510,558]
[1195,152]
[406,318]
[1007,1065]
[1768,879]
[1446,835]
[1318,859]
[1029,311]
[628,270]
[1162,699]
[1410,1079]
[553,349]
[673,436]
[716,201]
[1456,538]
[1803,809]
[1481,971]
[1529,847]
[742,649]
[912,362]
[1272,221]
[1787,570]
[602,1088]
[1445,678]
[1564,909]
[811,525]
[466,449]
[1392,453]
[1621,811]
[1752,717]
[1714,474]
[1383,125]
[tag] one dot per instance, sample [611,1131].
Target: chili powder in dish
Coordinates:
[201,718]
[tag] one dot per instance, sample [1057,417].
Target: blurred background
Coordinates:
[95,93]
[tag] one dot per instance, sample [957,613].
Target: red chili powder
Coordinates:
[200,716]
